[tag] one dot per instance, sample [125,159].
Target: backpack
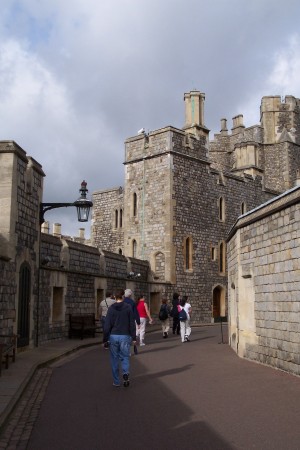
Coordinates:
[163,313]
[182,315]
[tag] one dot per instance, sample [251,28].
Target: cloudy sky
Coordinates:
[78,77]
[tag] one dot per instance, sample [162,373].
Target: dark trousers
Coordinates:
[176,325]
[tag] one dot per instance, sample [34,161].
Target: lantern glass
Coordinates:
[83,212]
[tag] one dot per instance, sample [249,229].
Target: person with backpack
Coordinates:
[163,316]
[174,313]
[184,316]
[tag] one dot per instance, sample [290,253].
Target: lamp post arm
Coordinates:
[44,207]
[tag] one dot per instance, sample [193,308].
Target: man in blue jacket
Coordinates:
[120,331]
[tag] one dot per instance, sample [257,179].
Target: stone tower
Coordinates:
[183,194]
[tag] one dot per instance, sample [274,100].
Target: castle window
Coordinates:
[213,253]
[121,218]
[188,251]
[243,208]
[116,218]
[134,204]
[120,251]
[222,257]
[134,248]
[221,209]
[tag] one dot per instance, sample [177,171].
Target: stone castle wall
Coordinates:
[264,304]
[21,181]
[178,196]
[198,216]
[62,276]
[81,271]
[111,235]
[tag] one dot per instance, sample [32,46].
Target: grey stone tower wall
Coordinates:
[21,181]
[105,234]
[198,216]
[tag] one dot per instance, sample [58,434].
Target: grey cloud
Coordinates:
[120,66]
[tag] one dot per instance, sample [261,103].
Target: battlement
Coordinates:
[275,102]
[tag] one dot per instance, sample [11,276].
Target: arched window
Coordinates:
[121,218]
[188,250]
[221,209]
[134,248]
[222,257]
[116,218]
[120,251]
[134,204]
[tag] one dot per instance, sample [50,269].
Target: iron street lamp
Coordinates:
[83,205]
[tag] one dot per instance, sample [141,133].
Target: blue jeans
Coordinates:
[119,352]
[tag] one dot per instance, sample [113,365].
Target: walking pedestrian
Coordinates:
[128,299]
[164,317]
[119,332]
[103,307]
[174,314]
[185,327]
[144,313]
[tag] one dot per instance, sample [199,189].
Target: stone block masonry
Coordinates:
[265,247]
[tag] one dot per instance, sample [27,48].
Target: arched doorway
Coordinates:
[218,303]
[23,305]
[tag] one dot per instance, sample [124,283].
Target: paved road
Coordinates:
[197,395]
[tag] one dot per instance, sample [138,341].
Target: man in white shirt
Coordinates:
[104,305]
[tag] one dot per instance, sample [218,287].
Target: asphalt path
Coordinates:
[197,395]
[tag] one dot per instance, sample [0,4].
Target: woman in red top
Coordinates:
[144,313]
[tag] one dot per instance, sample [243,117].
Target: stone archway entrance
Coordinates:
[218,303]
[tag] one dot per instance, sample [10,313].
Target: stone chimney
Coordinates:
[238,125]
[57,230]
[194,113]
[81,233]
[224,130]
[45,228]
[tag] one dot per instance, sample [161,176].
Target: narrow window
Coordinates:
[134,248]
[121,218]
[222,257]
[188,253]
[134,204]
[116,218]
[221,209]
[213,253]
[120,251]
[243,208]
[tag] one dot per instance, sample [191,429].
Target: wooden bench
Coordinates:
[81,325]
[8,346]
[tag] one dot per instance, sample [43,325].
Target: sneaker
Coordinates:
[142,343]
[116,385]
[126,379]
[165,335]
